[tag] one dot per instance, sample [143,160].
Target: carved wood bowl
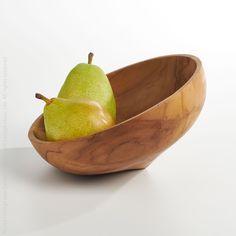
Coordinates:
[158,100]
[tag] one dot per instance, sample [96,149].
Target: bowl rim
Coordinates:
[32,136]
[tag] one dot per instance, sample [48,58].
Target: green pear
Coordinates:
[72,118]
[89,81]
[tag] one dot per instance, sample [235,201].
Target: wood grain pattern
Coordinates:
[158,100]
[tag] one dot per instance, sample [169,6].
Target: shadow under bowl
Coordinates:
[158,100]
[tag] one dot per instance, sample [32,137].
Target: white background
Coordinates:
[191,189]
[43,40]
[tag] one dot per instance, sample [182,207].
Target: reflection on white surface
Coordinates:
[39,196]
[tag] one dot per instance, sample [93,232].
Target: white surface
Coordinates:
[42,40]
[188,191]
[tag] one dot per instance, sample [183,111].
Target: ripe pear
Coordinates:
[66,119]
[89,81]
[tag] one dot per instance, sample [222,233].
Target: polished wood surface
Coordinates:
[158,100]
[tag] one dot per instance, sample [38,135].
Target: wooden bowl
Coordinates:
[158,100]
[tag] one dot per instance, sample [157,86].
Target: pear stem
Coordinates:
[90,58]
[40,96]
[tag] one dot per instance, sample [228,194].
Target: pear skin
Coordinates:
[66,119]
[88,81]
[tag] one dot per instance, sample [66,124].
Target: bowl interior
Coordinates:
[142,85]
